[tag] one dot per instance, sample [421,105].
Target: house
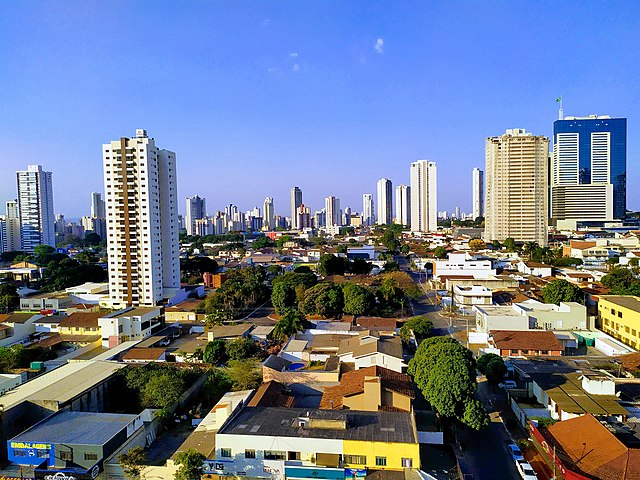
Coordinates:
[229,332]
[271,394]
[368,349]
[262,332]
[186,311]
[132,323]
[536,269]
[288,372]
[583,448]
[384,326]
[279,443]
[17,327]
[23,272]
[371,388]
[145,355]
[525,343]
[465,298]
[463,264]
[80,328]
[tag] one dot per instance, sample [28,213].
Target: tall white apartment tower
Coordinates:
[196,210]
[367,209]
[296,201]
[385,202]
[424,196]
[11,228]
[269,216]
[35,203]
[403,205]
[517,189]
[142,220]
[332,211]
[478,193]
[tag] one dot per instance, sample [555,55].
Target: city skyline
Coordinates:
[348,98]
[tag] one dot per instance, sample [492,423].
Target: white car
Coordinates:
[526,472]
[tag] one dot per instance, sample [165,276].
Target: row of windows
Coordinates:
[282,455]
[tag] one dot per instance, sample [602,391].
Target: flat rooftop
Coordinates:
[498,310]
[632,303]
[76,428]
[62,384]
[391,427]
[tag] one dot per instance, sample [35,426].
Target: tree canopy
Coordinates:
[191,465]
[283,294]
[132,462]
[560,290]
[440,252]
[330,264]
[421,327]
[358,300]
[9,298]
[444,371]
[476,244]
[621,281]
[324,299]
[292,321]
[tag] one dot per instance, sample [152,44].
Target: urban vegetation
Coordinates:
[561,290]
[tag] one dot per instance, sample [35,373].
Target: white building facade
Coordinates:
[385,202]
[196,210]
[478,193]
[35,203]
[142,224]
[296,201]
[403,205]
[424,196]
[367,209]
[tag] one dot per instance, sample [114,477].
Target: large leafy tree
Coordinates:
[133,461]
[215,352]
[621,281]
[325,299]
[561,290]
[9,298]
[440,252]
[421,327]
[510,244]
[283,294]
[332,265]
[483,361]
[191,465]
[358,300]
[244,374]
[241,348]
[496,370]
[292,321]
[476,244]
[444,371]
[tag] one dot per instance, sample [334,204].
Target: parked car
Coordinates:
[526,472]
[515,451]
[507,384]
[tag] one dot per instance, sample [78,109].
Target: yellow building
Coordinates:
[81,328]
[619,317]
[359,454]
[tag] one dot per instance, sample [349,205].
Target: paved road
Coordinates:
[260,316]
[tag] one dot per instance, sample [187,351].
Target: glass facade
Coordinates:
[617,148]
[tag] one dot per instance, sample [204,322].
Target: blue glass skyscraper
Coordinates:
[589,168]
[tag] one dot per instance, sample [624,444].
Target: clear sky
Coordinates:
[257,96]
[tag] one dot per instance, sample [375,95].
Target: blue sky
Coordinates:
[255,97]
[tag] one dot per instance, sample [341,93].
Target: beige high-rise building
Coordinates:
[516,187]
[424,196]
[142,221]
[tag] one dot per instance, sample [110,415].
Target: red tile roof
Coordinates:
[271,394]
[525,340]
[144,354]
[81,319]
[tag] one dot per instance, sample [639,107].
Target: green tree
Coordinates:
[475,416]
[566,261]
[405,249]
[215,352]
[440,252]
[634,262]
[496,245]
[615,260]
[561,290]
[283,293]
[421,327]
[530,250]
[42,252]
[391,266]
[359,266]
[92,239]
[161,391]
[621,281]
[262,242]
[389,240]
[358,300]
[214,387]
[303,269]
[244,374]
[342,248]
[241,348]
[291,322]
[133,461]
[196,266]
[86,256]
[510,244]
[282,240]
[332,265]
[483,361]
[191,465]
[496,370]
[476,244]
[9,298]
[444,371]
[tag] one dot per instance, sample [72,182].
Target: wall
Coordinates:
[394,452]
[301,376]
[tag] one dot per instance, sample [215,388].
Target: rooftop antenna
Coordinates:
[560,111]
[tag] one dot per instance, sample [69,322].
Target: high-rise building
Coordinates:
[303,217]
[296,201]
[11,228]
[367,209]
[516,187]
[142,220]
[478,193]
[346,217]
[332,211]
[35,201]
[403,205]
[424,196]
[97,205]
[385,202]
[269,214]
[196,210]
[589,168]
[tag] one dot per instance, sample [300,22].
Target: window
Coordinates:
[355,459]
[249,454]
[67,456]
[91,456]
[627,329]
[407,463]
[274,455]
[619,314]
[225,452]
[381,461]
[294,456]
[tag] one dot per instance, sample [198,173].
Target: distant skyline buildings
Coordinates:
[97,205]
[11,227]
[403,205]
[477,193]
[367,209]
[332,211]
[384,214]
[35,204]
[268,213]
[196,210]
[295,201]
[516,187]
[424,196]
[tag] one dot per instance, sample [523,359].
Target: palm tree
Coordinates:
[530,249]
[291,322]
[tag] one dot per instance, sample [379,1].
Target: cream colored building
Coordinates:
[424,197]
[142,220]
[516,187]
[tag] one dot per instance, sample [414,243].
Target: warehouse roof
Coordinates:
[389,427]
[76,428]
